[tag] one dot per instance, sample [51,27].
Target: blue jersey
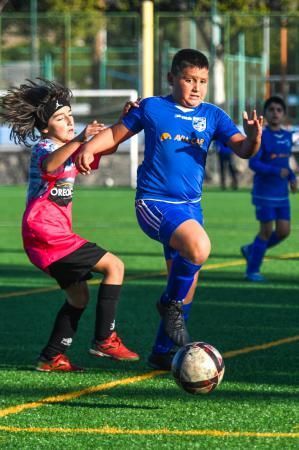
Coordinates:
[273,155]
[177,140]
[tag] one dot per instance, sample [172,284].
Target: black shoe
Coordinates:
[161,361]
[174,323]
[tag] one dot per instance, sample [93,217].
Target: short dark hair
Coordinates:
[188,57]
[275,99]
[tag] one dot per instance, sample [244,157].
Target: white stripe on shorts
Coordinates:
[149,216]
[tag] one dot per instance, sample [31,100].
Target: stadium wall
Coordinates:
[114,169]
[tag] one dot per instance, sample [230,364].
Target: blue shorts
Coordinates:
[159,219]
[272,213]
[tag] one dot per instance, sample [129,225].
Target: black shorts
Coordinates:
[77,265]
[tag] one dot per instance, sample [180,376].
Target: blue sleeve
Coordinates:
[262,168]
[133,120]
[226,128]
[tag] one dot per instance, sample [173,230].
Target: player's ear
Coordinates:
[170,77]
[45,131]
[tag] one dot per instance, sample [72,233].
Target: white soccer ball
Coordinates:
[109,182]
[198,368]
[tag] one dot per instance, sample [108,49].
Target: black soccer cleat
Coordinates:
[174,323]
[161,361]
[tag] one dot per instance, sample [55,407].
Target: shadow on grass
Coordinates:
[230,317]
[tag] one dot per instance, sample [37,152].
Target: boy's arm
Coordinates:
[247,146]
[104,142]
[263,168]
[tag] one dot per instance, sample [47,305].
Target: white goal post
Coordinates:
[132,94]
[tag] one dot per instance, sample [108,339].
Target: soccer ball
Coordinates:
[198,368]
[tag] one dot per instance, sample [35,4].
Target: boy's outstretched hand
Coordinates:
[84,161]
[253,127]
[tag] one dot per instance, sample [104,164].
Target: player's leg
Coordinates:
[52,357]
[255,251]
[192,244]
[233,171]
[258,249]
[179,226]
[106,342]
[282,225]
[71,273]
[222,170]
[164,348]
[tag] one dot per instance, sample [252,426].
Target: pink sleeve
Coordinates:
[96,162]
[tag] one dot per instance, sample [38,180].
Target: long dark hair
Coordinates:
[26,108]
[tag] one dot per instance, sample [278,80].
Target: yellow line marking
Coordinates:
[238,262]
[162,431]
[30,291]
[71,395]
[254,348]
[102,387]
[106,430]
[235,263]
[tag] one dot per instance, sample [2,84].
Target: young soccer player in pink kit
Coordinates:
[40,111]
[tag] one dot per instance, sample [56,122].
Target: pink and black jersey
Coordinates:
[47,221]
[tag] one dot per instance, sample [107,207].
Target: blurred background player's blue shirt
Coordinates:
[223,149]
[177,140]
[269,189]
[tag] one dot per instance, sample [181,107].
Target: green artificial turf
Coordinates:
[120,405]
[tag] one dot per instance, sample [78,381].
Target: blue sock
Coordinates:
[180,279]
[257,253]
[273,240]
[163,343]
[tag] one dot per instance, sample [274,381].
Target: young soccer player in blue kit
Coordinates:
[271,182]
[178,130]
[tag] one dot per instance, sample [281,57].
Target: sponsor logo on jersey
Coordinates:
[62,192]
[182,138]
[180,116]
[199,123]
[165,136]
[279,155]
[189,140]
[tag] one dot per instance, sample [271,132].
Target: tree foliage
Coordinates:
[203,6]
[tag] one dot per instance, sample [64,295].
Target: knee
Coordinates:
[78,295]
[119,268]
[199,252]
[115,268]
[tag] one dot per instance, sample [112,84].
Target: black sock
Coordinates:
[64,329]
[108,296]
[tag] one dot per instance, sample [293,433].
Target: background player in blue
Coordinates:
[271,182]
[178,131]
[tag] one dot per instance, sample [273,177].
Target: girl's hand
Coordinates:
[129,105]
[90,130]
